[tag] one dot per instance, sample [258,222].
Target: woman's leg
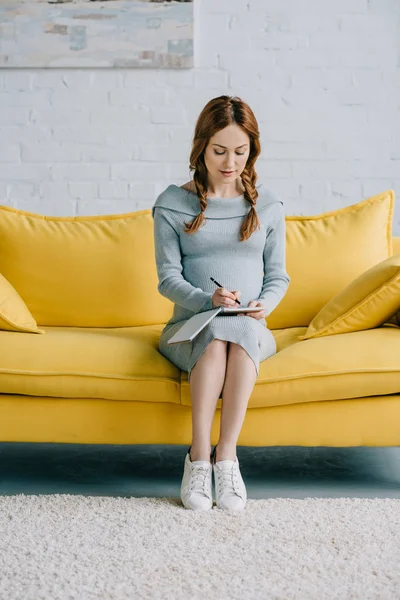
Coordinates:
[206,382]
[240,378]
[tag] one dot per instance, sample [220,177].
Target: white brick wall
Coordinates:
[322,77]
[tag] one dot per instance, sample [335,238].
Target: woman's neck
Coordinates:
[217,193]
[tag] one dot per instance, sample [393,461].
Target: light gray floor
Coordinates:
[156,471]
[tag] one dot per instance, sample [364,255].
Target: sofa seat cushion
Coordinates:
[349,365]
[73,362]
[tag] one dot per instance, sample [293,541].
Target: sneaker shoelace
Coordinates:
[199,479]
[229,480]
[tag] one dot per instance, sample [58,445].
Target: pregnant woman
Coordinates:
[221,225]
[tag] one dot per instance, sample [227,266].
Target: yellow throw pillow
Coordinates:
[369,301]
[327,251]
[14,314]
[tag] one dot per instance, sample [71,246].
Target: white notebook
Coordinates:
[195,324]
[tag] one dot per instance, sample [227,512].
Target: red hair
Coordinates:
[216,115]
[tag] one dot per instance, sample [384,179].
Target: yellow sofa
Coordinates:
[83,363]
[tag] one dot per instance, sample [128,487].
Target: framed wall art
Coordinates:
[86,33]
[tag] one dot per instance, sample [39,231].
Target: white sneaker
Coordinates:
[196,487]
[230,490]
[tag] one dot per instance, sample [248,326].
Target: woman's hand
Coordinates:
[256,315]
[223,297]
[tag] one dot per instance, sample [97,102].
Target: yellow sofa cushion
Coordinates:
[125,364]
[14,314]
[396,244]
[95,271]
[369,301]
[363,363]
[326,252]
[77,362]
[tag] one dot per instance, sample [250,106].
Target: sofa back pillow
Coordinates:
[326,252]
[14,314]
[396,244]
[87,271]
[100,271]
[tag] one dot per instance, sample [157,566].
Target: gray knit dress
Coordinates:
[185,262]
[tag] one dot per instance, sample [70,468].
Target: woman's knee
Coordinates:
[216,353]
[219,347]
[216,350]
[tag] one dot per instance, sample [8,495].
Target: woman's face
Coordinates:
[226,154]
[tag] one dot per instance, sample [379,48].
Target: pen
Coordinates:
[219,285]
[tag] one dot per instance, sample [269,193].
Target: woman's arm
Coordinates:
[275,280]
[171,283]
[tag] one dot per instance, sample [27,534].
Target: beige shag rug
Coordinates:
[67,547]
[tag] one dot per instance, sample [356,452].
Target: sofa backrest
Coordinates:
[96,271]
[100,271]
